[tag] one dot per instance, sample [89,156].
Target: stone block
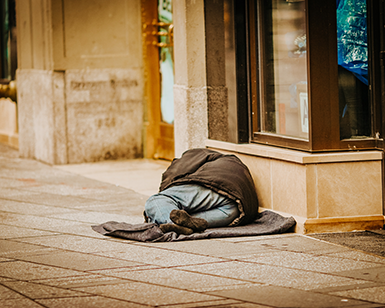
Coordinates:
[80,115]
[191,124]
[349,189]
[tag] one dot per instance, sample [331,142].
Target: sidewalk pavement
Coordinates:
[50,256]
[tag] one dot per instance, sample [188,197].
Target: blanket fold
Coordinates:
[268,222]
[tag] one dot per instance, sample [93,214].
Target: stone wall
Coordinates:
[80,115]
[80,80]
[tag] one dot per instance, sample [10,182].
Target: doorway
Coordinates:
[157,25]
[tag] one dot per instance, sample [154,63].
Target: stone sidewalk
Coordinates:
[50,256]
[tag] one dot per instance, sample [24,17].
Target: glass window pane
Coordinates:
[284,109]
[353,68]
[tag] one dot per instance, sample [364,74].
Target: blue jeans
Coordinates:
[198,201]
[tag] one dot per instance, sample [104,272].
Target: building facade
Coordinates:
[295,88]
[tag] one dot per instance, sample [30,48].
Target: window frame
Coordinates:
[322,72]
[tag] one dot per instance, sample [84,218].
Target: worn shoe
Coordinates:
[175,228]
[182,218]
[145,216]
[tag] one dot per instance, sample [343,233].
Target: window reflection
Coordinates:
[353,68]
[285,99]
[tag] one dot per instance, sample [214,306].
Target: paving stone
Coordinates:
[322,264]
[81,244]
[124,271]
[88,302]
[12,249]
[6,279]
[65,189]
[356,255]
[376,294]
[212,248]
[6,182]
[47,198]
[349,287]
[142,175]
[9,232]
[34,290]
[85,280]
[273,275]
[148,294]
[296,243]
[156,256]
[77,186]
[30,208]
[40,223]
[85,230]
[376,274]
[220,304]
[285,297]
[124,208]
[28,271]
[254,238]
[362,240]
[94,217]
[7,293]
[181,279]
[78,261]
[17,303]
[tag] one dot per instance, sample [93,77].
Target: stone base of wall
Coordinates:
[11,140]
[327,192]
[77,116]
[8,123]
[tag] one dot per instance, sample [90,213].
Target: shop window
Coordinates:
[284,107]
[313,76]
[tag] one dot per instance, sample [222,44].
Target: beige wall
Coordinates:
[325,192]
[80,80]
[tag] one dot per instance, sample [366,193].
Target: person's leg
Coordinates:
[158,208]
[220,216]
[201,202]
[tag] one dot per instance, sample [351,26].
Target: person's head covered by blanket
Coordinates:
[203,189]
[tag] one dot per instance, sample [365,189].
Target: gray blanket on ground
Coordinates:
[268,222]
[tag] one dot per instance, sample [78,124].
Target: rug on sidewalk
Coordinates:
[268,223]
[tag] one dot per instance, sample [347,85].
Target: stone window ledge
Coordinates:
[293,155]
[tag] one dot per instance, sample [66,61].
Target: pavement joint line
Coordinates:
[349,287]
[312,291]
[22,294]
[354,259]
[317,272]
[125,280]
[174,288]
